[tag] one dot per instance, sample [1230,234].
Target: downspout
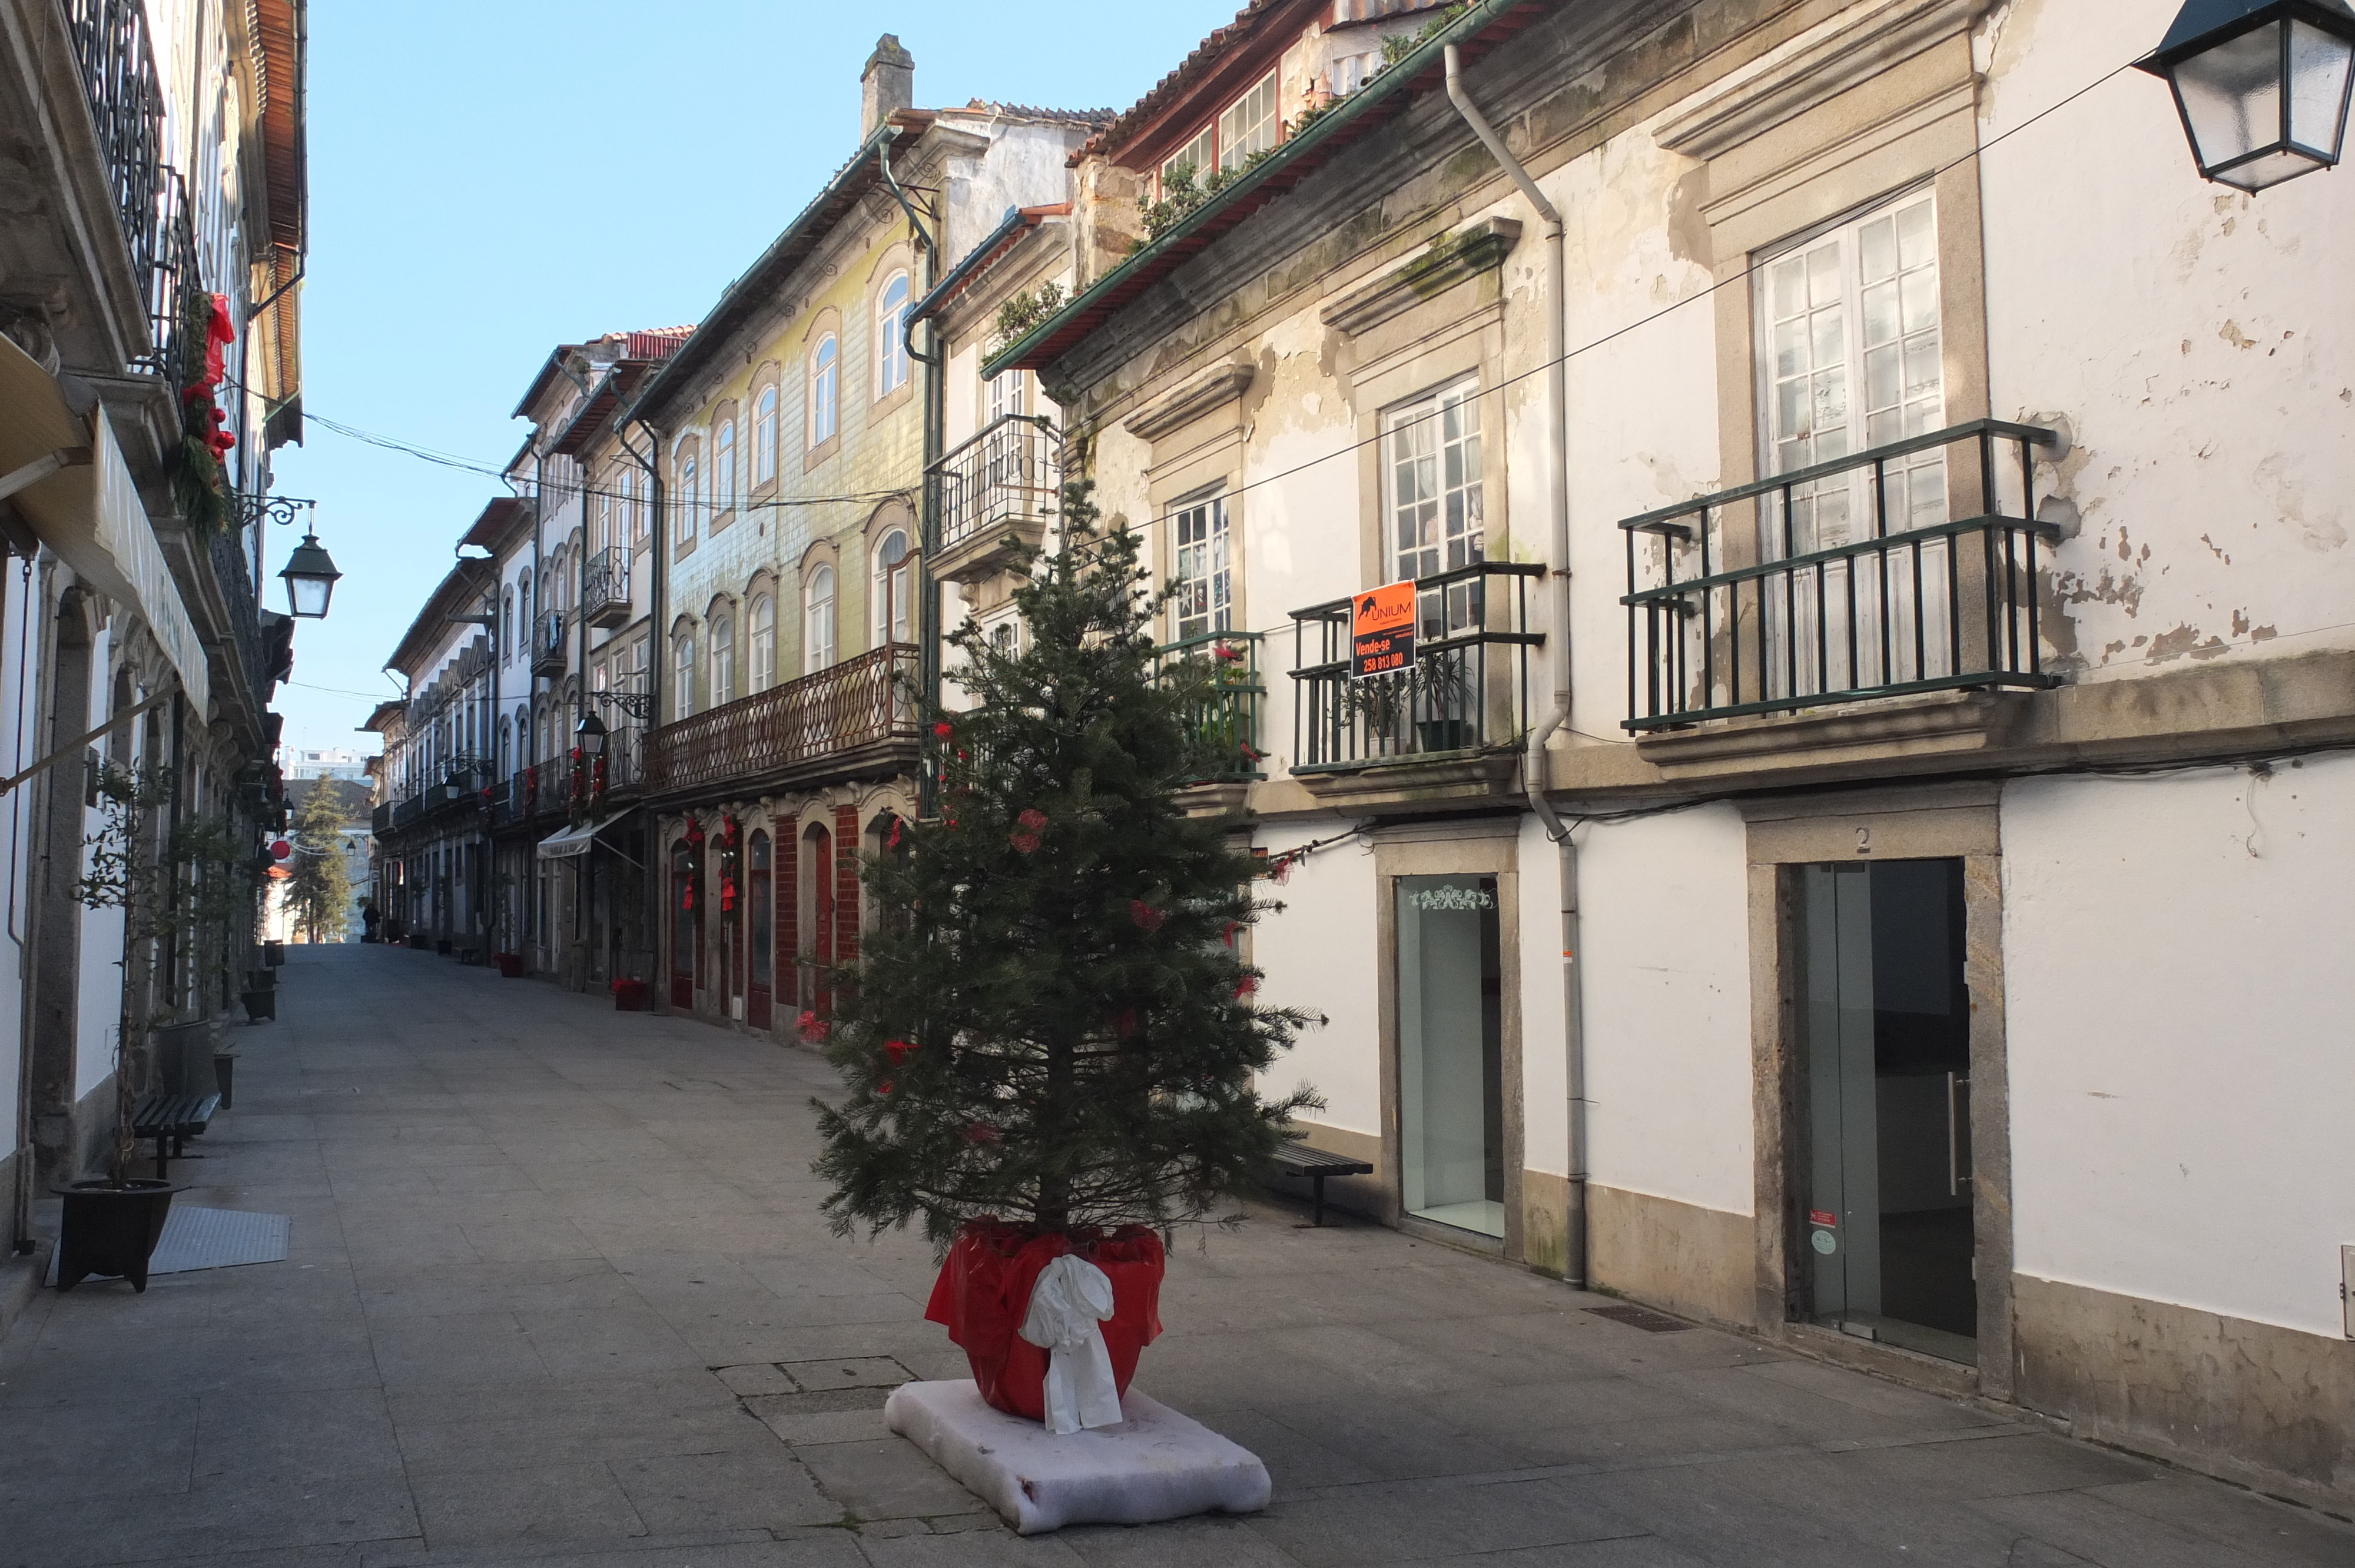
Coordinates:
[935,404]
[1533,762]
[658,650]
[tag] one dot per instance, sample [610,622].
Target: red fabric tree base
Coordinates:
[983,1290]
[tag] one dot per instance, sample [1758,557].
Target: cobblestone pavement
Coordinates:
[558,1295]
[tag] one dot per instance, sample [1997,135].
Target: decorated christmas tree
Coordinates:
[1053,1028]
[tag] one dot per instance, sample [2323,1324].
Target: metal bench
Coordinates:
[1299,1159]
[171,1121]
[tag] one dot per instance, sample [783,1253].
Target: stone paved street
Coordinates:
[558,1294]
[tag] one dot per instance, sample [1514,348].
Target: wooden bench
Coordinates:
[1299,1159]
[171,1121]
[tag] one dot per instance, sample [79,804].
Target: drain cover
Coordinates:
[1642,1318]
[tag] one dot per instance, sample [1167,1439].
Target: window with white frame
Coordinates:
[1849,358]
[722,685]
[1249,125]
[1008,393]
[1431,499]
[764,437]
[1203,578]
[890,336]
[1200,155]
[825,387]
[690,496]
[817,620]
[507,626]
[683,675]
[762,672]
[625,502]
[894,595]
[1344,74]
[723,468]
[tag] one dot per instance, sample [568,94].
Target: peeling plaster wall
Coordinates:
[2197,341]
[2177,994]
[1665,911]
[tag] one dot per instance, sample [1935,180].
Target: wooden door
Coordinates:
[684,950]
[821,865]
[760,915]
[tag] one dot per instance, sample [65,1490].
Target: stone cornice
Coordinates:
[1191,401]
[1452,258]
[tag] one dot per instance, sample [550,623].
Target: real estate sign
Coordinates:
[1381,629]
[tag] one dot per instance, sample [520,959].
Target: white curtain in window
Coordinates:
[826,381]
[723,660]
[891,341]
[762,673]
[817,620]
[764,437]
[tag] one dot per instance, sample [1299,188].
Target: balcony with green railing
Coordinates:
[1225,701]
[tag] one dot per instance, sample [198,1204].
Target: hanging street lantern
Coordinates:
[2261,85]
[310,576]
[588,735]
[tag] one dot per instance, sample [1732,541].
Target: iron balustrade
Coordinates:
[1784,610]
[380,818]
[1007,477]
[605,584]
[226,549]
[407,811]
[1224,721]
[862,702]
[1467,690]
[549,653]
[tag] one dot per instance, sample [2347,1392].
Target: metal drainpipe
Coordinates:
[935,404]
[1533,764]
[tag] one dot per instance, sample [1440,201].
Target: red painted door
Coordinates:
[821,860]
[683,920]
[761,917]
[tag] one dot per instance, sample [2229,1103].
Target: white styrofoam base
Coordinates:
[1156,1465]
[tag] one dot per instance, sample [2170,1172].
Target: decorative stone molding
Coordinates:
[1825,60]
[1191,401]
[1454,259]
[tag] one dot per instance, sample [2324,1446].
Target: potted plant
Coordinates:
[1051,1053]
[510,965]
[1428,698]
[111,1225]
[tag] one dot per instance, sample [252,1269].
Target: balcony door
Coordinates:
[1849,359]
[1885,1174]
[762,915]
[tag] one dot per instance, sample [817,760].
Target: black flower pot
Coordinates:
[110,1230]
[225,1077]
[261,979]
[273,953]
[259,1004]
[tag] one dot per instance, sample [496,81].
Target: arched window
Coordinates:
[818,621]
[723,468]
[507,626]
[762,672]
[894,589]
[723,660]
[506,748]
[890,336]
[764,437]
[523,607]
[690,496]
[627,485]
[825,382]
[683,675]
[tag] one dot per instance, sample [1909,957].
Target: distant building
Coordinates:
[331,762]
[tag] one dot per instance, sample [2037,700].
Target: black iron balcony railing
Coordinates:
[550,652]
[380,818]
[226,549]
[1467,690]
[406,812]
[1898,570]
[1003,479]
[862,702]
[605,587]
[1224,721]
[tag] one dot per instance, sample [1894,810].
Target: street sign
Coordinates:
[280,849]
[1381,630]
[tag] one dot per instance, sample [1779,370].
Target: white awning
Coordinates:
[88,512]
[570,843]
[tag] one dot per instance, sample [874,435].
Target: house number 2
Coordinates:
[1864,841]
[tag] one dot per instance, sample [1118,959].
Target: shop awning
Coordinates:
[86,509]
[570,843]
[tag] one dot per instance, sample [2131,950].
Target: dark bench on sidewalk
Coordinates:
[1299,1159]
[171,1121]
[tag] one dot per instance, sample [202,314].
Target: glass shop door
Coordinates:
[1451,1051]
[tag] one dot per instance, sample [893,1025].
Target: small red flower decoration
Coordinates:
[943,729]
[884,1087]
[981,1132]
[1246,987]
[1033,820]
[810,1026]
[894,841]
[1125,1025]
[1147,917]
[1026,843]
[899,1051]
[1228,650]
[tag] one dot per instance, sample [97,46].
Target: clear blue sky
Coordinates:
[491,178]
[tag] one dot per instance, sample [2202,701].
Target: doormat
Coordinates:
[212,1238]
[1642,1318]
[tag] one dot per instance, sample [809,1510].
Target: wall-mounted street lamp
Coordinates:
[310,576]
[2261,85]
[588,735]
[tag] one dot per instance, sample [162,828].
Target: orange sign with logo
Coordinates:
[1381,629]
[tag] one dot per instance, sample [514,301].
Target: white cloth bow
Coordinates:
[1071,1298]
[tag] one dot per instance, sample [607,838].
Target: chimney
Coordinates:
[889,83]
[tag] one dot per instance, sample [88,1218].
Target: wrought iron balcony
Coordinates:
[380,818]
[605,588]
[1001,482]
[1898,570]
[1225,721]
[799,727]
[1467,692]
[551,650]
[406,812]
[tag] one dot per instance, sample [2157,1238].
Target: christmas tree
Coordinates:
[1053,1026]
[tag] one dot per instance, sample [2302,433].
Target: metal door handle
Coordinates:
[1957,1085]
